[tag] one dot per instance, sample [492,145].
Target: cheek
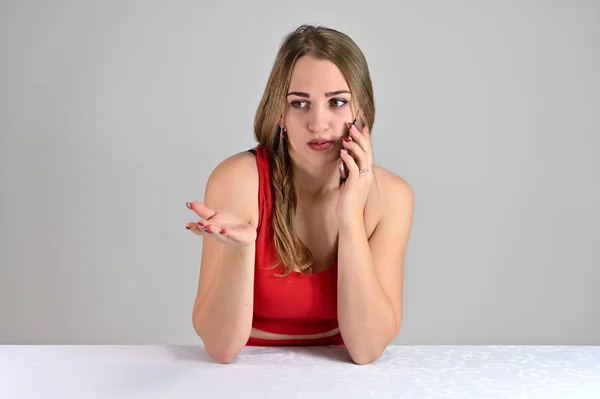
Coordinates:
[295,118]
[342,118]
[343,114]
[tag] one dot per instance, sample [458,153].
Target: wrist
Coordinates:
[351,222]
[238,253]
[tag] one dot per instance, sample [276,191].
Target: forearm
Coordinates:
[223,318]
[365,313]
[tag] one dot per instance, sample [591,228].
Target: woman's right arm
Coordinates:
[223,308]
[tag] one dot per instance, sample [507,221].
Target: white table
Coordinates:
[418,372]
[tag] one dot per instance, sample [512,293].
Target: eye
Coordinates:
[338,102]
[298,104]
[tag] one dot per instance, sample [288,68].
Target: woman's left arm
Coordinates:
[371,273]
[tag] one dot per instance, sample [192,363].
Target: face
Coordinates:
[317,111]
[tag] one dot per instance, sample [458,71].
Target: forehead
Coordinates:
[313,75]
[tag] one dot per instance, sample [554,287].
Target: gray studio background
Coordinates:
[114,113]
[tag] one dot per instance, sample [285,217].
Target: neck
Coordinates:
[315,180]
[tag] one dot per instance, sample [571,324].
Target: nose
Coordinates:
[318,121]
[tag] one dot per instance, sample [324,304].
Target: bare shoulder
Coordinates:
[240,167]
[393,191]
[233,186]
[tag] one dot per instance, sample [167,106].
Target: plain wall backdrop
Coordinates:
[114,113]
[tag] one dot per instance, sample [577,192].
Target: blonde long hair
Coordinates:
[322,43]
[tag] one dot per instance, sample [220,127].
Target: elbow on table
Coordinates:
[222,349]
[370,352]
[366,357]
[222,355]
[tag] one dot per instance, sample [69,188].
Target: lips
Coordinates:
[320,144]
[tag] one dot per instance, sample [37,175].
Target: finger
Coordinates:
[349,161]
[358,154]
[201,210]
[353,147]
[194,228]
[210,228]
[202,229]
[365,144]
[360,138]
[215,231]
[240,234]
[366,132]
[230,234]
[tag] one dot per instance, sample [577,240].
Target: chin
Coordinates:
[323,158]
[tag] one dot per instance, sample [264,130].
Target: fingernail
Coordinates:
[188,205]
[188,227]
[201,223]
[346,139]
[208,230]
[222,231]
[350,124]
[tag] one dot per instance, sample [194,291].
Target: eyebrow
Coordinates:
[329,94]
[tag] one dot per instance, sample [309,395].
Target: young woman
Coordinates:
[304,236]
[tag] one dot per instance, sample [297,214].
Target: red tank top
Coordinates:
[298,303]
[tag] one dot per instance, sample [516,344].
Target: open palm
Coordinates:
[220,225]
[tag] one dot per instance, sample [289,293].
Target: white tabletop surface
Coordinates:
[419,372]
